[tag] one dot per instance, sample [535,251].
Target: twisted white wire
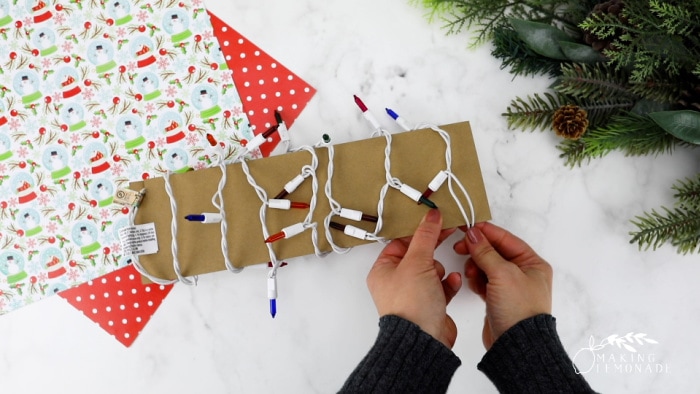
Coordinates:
[218,202]
[390,182]
[135,258]
[335,206]
[336,209]
[308,170]
[173,231]
[379,132]
[471,219]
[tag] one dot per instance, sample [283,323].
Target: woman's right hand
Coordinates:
[509,276]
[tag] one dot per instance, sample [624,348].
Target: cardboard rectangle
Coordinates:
[359,174]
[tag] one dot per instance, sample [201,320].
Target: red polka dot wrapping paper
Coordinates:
[263,84]
[118,302]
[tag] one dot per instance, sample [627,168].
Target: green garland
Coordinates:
[626,76]
[679,225]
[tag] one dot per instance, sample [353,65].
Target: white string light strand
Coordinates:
[337,210]
[452,178]
[309,170]
[135,258]
[306,172]
[262,195]
[173,233]
[218,202]
[334,205]
[391,181]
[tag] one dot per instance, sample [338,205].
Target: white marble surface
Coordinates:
[218,337]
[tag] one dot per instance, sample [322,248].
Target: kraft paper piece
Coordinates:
[416,157]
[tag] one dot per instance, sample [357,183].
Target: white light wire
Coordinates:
[336,209]
[135,258]
[173,233]
[471,219]
[218,202]
[306,171]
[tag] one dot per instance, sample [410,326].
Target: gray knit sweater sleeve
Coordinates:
[404,359]
[529,358]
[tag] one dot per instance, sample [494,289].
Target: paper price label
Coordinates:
[127,197]
[139,239]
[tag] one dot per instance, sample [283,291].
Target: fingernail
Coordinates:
[433,216]
[473,235]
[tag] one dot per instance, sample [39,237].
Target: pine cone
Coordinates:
[611,7]
[570,122]
[689,98]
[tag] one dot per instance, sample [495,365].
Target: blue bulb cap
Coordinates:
[273,308]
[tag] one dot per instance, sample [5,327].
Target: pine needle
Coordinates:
[680,226]
[536,111]
[688,192]
[517,56]
[593,82]
[633,134]
[659,88]
[485,15]
[533,112]
[601,110]
[656,37]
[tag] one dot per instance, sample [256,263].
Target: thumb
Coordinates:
[482,252]
[425,238]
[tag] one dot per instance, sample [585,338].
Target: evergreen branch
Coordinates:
[606,26]
[600,111]
[536,112]
[633,134]
[658,88]
[653,52]
[576,152]
[486,15]
[643,42]
[681,226]
[676,18]
[533,112]
[688,192]
[592,82]
[646,57]
[576,11]
[486,30]
[686,243]
[517,55]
